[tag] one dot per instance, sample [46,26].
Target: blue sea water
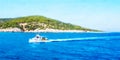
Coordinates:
[71,46]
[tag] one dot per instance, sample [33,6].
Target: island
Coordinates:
[38,23]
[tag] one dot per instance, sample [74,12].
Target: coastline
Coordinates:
[56,31]
[38,30]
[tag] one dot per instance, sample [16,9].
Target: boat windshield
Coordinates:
[37,36]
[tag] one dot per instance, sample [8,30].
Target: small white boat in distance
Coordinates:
[38,38]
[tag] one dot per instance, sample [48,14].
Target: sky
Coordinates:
[95,14]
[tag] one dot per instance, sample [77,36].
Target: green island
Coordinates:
[36,23]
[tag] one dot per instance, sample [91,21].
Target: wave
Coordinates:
[83,38]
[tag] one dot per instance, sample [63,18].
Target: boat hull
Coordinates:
[37,40]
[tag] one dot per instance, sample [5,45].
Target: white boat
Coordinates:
[38,38]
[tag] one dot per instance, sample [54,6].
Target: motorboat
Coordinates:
[38,38]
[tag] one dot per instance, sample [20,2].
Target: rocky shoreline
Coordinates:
[38,30]
[11,30]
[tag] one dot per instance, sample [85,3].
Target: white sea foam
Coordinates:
[85,38]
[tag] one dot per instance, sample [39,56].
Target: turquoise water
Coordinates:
[71,46]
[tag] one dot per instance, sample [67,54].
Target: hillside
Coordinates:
[4,19]
[38,22]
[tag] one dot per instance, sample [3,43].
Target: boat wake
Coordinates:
[83,38]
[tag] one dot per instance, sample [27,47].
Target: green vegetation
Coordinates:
[39,22]
[4,19]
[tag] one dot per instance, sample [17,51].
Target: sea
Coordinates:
[63,46]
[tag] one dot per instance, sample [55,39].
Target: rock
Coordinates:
[11,30]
